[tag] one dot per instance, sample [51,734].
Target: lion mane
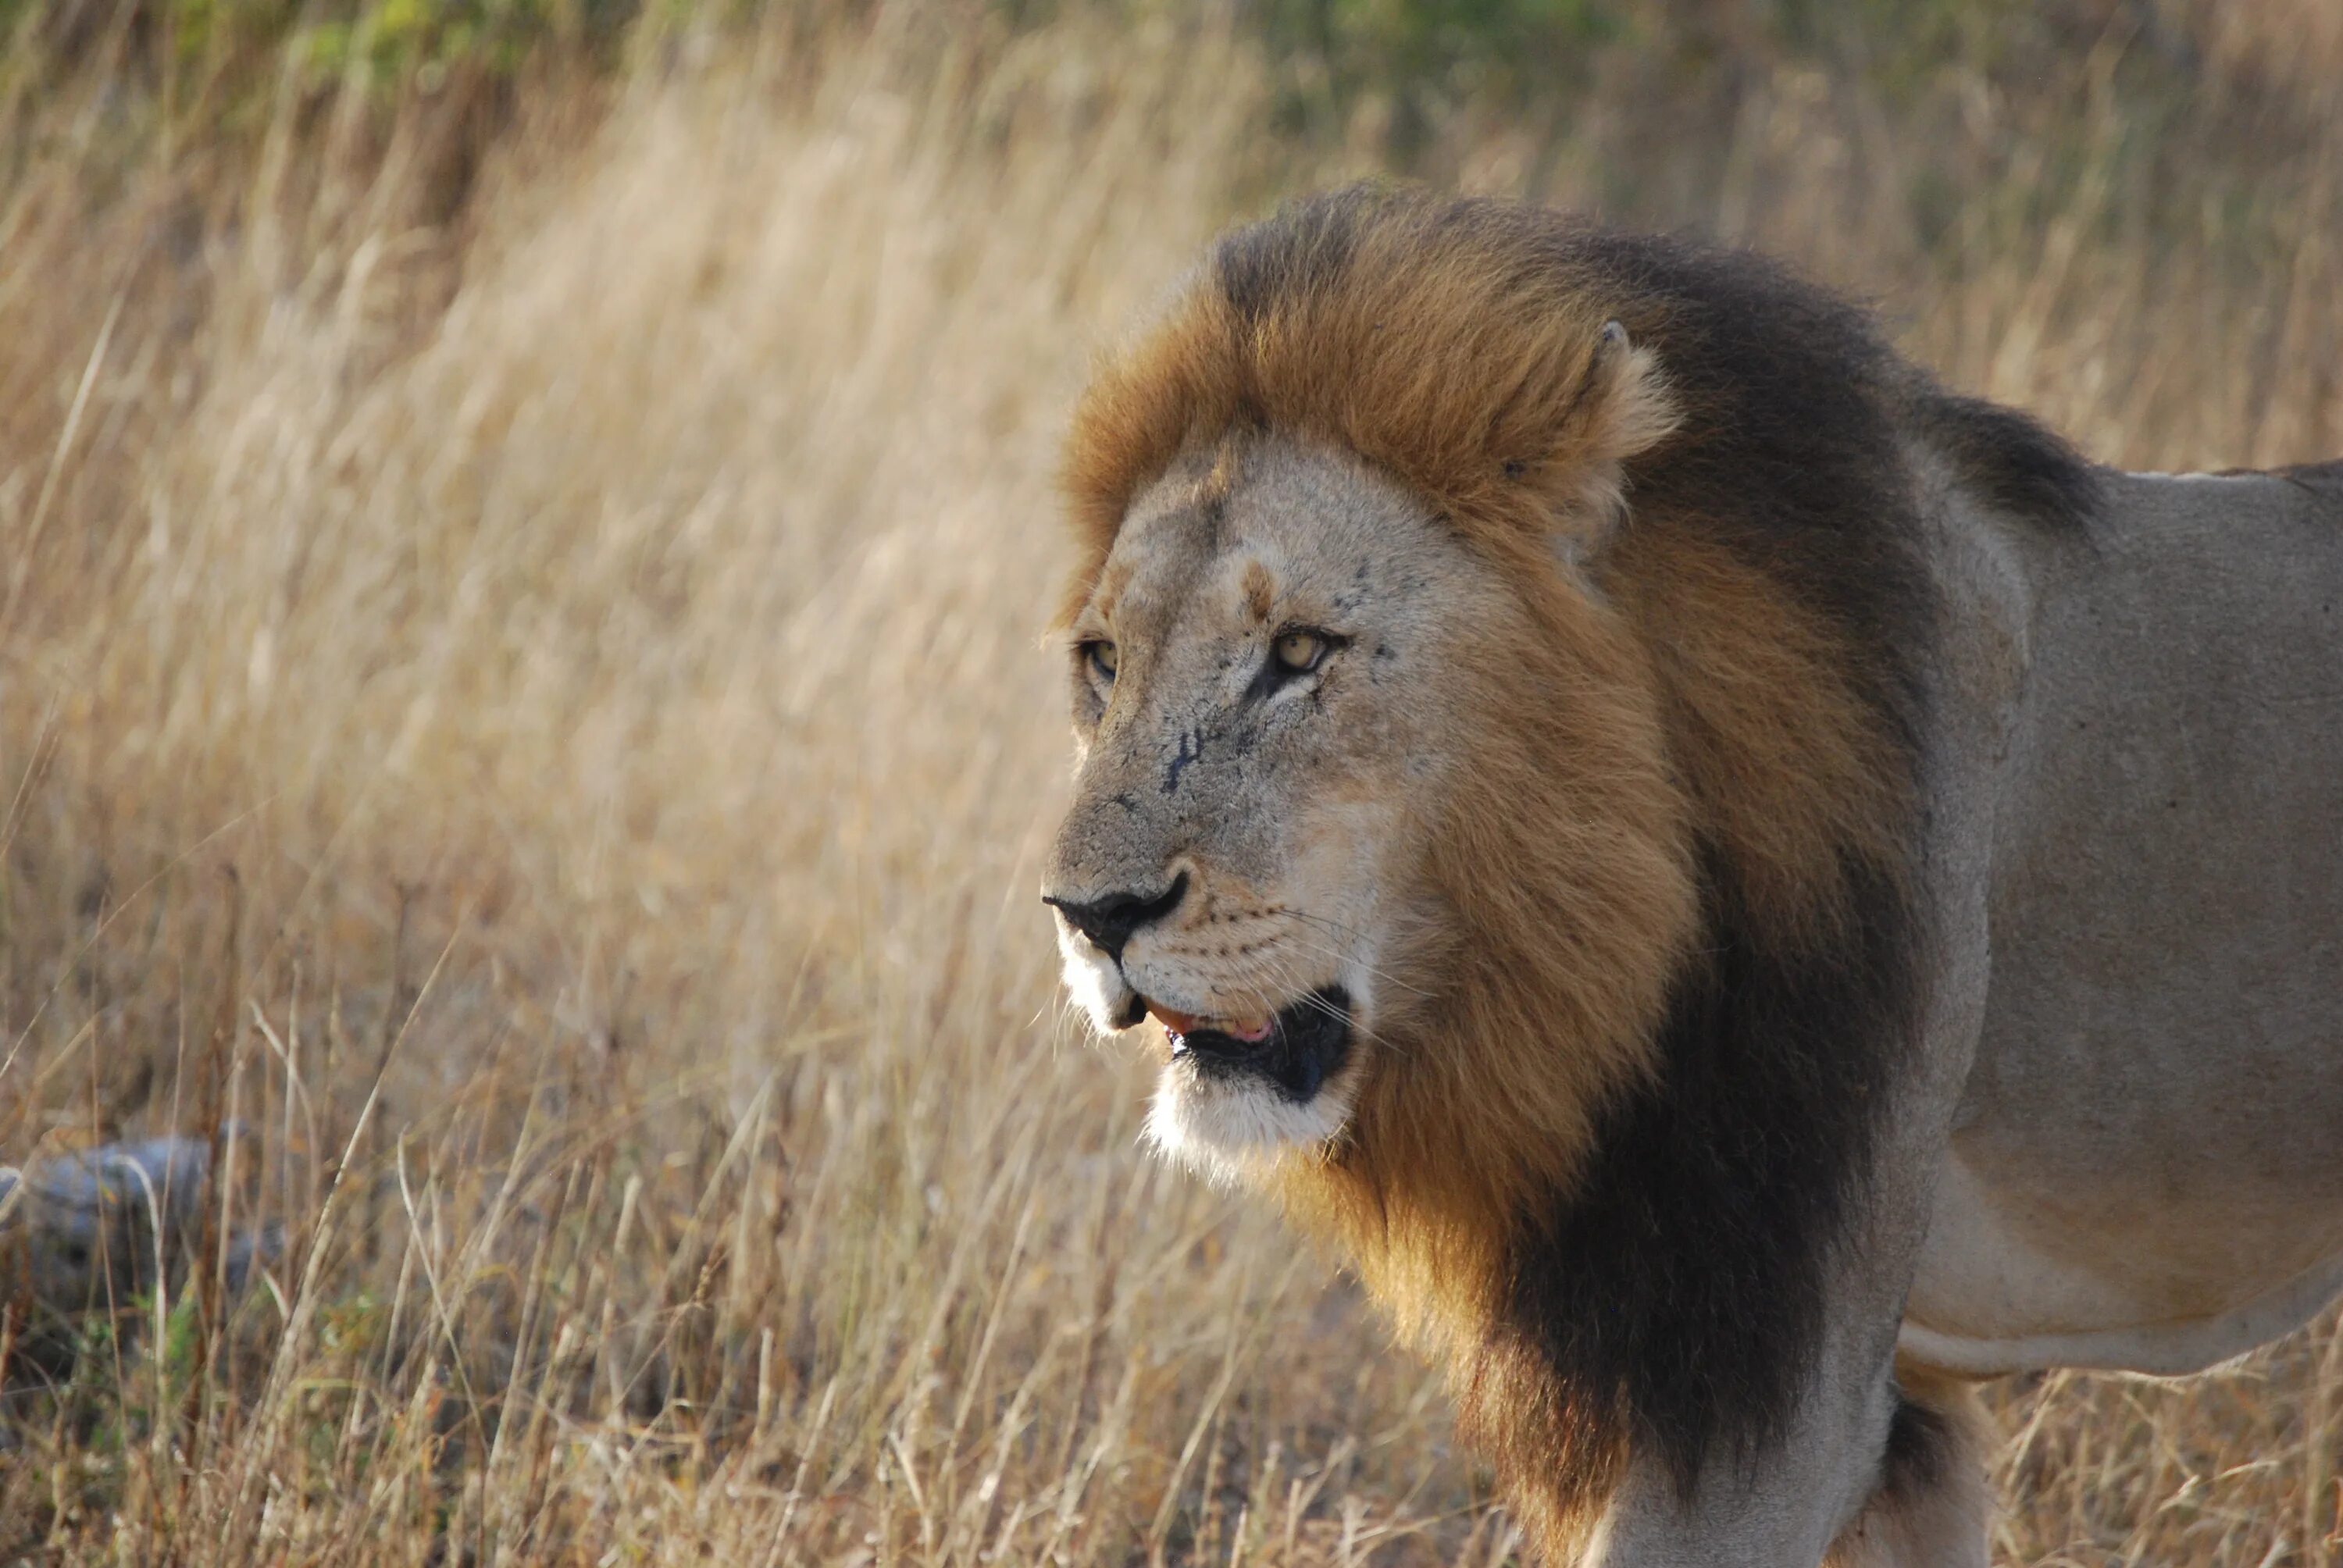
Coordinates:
[1682,958]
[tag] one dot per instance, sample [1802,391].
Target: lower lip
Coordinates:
[1302,1047]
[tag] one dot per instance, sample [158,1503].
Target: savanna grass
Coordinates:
[518,690]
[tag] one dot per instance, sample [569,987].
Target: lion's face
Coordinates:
[1267,693]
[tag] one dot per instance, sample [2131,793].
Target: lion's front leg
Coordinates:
[1932,1504]
[1895,1479]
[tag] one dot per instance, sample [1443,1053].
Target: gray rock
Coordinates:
[100,1226]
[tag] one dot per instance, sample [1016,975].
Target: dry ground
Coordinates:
[518,684]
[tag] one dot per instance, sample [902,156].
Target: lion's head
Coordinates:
[1314,772]
[1274,686]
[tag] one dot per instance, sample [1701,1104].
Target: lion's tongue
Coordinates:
[1186,1024]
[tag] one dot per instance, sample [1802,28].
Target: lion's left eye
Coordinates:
[1298,652]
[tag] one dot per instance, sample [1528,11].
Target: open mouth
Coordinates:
[1296,1053]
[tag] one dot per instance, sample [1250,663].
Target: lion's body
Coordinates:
[1776,889]
[2145,1169]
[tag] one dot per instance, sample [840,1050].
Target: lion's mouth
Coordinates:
[1296,1053]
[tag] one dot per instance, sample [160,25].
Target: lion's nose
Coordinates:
[1108,921]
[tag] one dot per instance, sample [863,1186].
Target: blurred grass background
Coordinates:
[525,525]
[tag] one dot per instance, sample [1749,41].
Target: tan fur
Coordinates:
[1784,760]
[1260,590]
[1494,392]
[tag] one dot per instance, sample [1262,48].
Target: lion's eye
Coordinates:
[1298,652]
[1101,655]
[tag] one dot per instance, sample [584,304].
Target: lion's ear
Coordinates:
[1622,408]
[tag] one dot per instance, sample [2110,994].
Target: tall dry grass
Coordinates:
[526,702]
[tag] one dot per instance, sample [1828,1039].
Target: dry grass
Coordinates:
[536,714]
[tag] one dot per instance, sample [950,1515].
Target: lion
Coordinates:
[1743,891]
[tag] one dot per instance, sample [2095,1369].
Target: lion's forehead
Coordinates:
[1285,534]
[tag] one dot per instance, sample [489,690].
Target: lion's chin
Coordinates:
[1226,1129]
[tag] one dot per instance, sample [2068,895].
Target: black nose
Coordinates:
[1108,921]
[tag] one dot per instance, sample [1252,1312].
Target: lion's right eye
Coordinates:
[1298,652]
[1102,657]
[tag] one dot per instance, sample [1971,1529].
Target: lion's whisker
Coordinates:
[1381,974]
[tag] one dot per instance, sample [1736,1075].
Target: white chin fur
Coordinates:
[1220,1129]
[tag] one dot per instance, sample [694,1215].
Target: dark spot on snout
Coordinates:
[1192,748]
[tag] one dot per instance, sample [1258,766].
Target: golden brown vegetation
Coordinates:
[518,686]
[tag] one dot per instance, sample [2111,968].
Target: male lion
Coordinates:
[1744,890]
